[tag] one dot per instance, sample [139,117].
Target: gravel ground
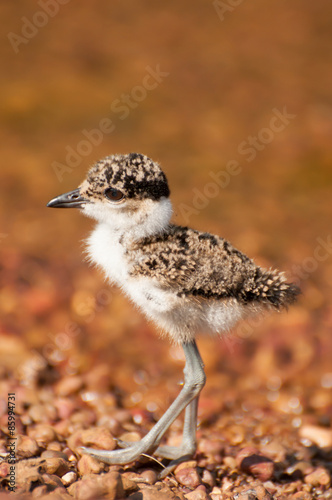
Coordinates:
[257,440]
[83,366]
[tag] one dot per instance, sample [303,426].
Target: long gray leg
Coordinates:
[186,450]
[188,445]
[194,380]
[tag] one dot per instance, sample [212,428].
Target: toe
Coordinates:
[114,457]
[174,452]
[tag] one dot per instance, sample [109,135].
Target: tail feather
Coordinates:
[273,289]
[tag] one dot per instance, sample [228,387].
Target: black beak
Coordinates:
[73,199]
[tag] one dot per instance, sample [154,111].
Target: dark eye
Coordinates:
[114,194]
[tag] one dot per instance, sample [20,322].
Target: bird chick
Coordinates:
[185,281]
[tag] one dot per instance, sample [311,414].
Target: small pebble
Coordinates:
[187,474]
[84,417]
[188,477]
[62,428]
[257,465]
[89,487]
[90,465]
[71,457]
[52,481]
[57,466]
[217,494]
[318,435]
[274,450]
[319,477]
[54,446]
[65,407]
[42,413]
[54,454]
[207,478]
[4,469]
[151,493]
[236,434]
[301,495]
[248,495]
[132,437]
[270,487]
[109,422]
[198,494]
[122,416]
[43,434]
[58,494]
[186,465]
[3,446]
[149,476]
[40,491]
[69,478]
[113,483]
[99,378]
[291,487]
[261,493]
[263,470]
[26,447]
[69,385]
[230,462]
[210,446]
[96,437]
[245,452]
[304,467]
[227,484]
[128,484]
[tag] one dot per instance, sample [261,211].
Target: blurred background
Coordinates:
[235,104]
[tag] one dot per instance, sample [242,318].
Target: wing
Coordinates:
[194,263]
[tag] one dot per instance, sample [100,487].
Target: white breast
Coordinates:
[105,251]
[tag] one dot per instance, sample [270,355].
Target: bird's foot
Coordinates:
[124,444]
[169,452]
[132,451]
[129,453]
[176,452]
[177,455]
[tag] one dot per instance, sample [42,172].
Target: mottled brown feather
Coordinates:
[194,263]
